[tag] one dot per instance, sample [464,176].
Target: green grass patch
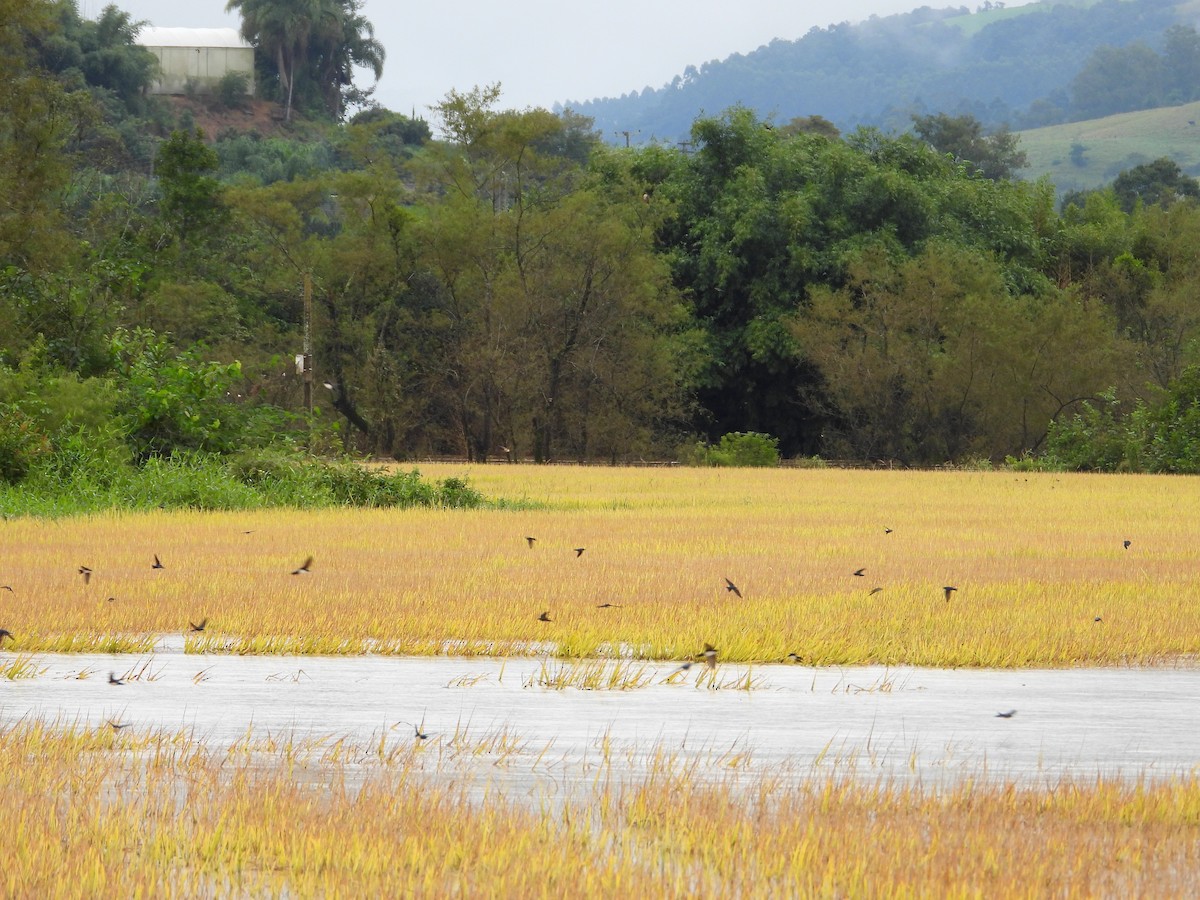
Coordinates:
[1087,155]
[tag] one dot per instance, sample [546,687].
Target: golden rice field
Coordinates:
[99,813]
[1035,558]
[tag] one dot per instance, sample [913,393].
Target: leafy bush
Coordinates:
[232,87]
[172,402]
[1162,436]
[738,448]
[22,444]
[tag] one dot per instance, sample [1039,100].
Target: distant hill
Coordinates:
[1001,65]
[1084,155]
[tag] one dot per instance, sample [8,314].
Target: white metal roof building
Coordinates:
[198,57]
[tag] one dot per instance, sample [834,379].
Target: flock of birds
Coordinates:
[86,573]
[707,656]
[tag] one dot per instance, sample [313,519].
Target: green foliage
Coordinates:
[22,444]
[994,155]
[312,48]
[105,51]
[746,449]
[232,89]
[251,158]
[1162,435]
[171,402]
[1161,182]
[1092,440]
[191,198]
[197,480]
[1012,65]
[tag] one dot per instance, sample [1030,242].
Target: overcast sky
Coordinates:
[548,51]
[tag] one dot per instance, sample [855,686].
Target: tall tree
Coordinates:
[315,43]
[282,30]
[995,156]
[567,338]
[339,44]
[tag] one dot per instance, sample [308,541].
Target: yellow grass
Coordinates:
[100,812]
[1036,558]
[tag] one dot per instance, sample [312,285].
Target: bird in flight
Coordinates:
[1006,715]
[887,531]
[117,726]
[304,567]
[198,626]
[579,551]
[545,616]
[683,668]
[86,573]
[730,586]
[157,562]
[873,591]
[793,657]
[1097,619]
[530,541]
[861,573]
[709,656]
[5,633]
[1126,544]
[608,606]
[113,679]
[949,589]
[6,587]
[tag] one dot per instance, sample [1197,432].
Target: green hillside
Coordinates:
[1081,155]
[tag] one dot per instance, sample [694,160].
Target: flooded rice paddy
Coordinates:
[907,723]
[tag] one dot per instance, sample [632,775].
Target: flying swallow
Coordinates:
[113,679]
[709,656]
[730,586]
[579,551]
[545,616]
[530,540]
[86,573]
[873,591]
[304,567]
[861,573]
[1006,715]
[608,606]
[199,626]
[949,589]
[157,563]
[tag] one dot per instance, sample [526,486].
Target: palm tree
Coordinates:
[341,43]
[318,39]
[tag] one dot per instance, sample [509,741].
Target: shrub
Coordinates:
[738,448]
[231,88]
[22,444]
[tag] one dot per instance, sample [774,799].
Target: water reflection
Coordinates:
[893,723]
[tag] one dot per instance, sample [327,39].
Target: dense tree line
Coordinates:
[1039,64]
[519,289]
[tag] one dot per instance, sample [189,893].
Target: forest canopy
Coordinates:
[517,289]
